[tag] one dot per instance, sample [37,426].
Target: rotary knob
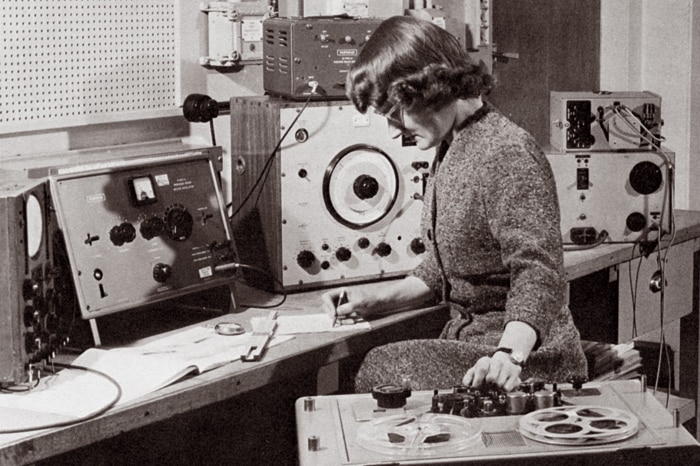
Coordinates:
[383,249]
[306,259]
[363,243]
[343,254]
[636,221]
[365,187]
[161,272]
[152,227]
[122,233]
[417,246]
[178,222]
[646,178]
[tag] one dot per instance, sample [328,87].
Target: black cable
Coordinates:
[236,266]
[99,412]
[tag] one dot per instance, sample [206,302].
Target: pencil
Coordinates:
[340,301]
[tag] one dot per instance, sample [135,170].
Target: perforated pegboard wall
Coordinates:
[80,61]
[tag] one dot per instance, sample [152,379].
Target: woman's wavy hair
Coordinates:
[415,64]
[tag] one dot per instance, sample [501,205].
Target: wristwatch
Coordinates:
[516,357]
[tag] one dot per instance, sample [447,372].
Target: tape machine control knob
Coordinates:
[161,272]
[305,259]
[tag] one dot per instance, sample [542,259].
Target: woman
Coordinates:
[490,223]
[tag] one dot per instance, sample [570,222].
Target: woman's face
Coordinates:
[427,127]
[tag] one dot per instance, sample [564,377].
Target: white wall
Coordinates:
[654,45]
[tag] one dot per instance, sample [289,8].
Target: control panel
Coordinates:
[605,121]
[140,232]
[613,196]
[342,201]
[310,57]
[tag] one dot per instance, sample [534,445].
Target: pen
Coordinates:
[341,298]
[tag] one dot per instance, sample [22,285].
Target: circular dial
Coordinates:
[35,225]
[178,222]
[360,186]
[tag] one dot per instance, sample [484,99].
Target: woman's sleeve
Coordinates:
[522,206]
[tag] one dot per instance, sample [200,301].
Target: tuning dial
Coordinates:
[343,254]
[178,222]
[417,246]
[161,272]
[306,259]
[383,249]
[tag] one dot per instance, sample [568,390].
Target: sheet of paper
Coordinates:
[312,323]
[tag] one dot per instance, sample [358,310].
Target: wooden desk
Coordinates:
[307,352]
[281,362]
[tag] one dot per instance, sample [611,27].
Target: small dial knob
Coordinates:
[161,272]
[306,259]
[417,246]
[383,249]
[636,221]
[178,222]
[363,243]
[122,233]
[152,227]
[343,254]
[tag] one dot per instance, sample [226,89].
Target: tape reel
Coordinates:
[419,435]
[578,425]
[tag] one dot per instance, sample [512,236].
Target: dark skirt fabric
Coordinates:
[442,363]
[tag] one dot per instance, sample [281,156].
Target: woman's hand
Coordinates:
[497,369]
[346,302]
[366,302]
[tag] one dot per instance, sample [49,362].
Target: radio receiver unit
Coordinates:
[305,57]
[605,121]
[341,199]
[618,197]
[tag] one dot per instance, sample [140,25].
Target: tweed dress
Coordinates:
[496,225]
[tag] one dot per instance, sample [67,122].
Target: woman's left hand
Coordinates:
[497,369]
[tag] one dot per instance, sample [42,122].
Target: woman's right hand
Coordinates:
[346,302]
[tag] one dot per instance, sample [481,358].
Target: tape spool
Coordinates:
[578,425]
[420,435]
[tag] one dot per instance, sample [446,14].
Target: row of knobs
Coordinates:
[306,258]
[177,224]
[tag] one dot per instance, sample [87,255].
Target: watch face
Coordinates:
[517,357]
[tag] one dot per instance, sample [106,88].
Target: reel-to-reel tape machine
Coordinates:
[611,421]
[337,201]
